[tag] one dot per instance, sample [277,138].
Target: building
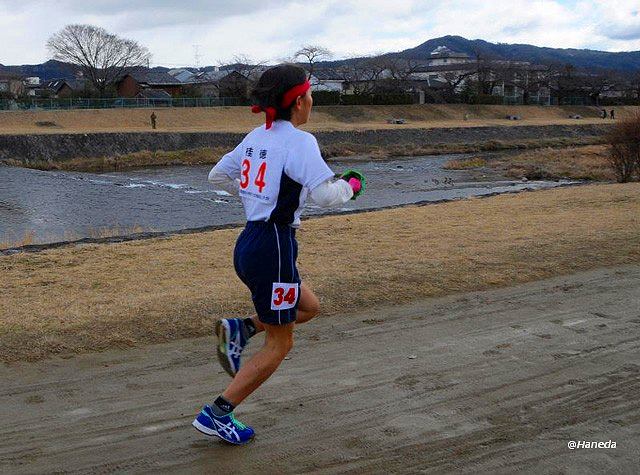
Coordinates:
[443,56]
[183,75]
[11,86]
[54,88]
[132,83]
[327,80]
[57,88]
[221,83]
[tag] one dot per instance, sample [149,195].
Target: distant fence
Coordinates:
[119,103]
[320,98]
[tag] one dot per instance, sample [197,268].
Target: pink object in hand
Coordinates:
[355,184]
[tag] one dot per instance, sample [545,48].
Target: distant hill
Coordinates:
[580,58]
[45,71]
[52,70]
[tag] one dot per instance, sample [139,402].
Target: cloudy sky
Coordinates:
[271,30]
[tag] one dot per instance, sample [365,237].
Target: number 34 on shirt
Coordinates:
[254,179]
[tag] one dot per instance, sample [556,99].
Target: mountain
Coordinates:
[580,58]
[50,70]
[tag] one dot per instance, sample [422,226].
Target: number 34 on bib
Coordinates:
[284,296]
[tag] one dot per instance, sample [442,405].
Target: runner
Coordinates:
[274,169]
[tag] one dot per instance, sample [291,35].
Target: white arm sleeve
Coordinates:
[328,193]
[226,173]
[222,181]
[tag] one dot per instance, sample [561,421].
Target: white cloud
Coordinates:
[275,29]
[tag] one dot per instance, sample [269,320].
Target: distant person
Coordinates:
[604,113]
[153,120]
[274,169]
[613,114]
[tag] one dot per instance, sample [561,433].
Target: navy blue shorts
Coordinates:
[265,260]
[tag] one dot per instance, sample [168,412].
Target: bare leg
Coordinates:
[308,307]
[278,341]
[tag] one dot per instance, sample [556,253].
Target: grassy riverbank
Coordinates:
[211,155]
[546,163]
[94,297]
[324,118]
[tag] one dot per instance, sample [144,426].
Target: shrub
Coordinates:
[326,98]
[624,142]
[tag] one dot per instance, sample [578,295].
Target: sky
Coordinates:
[189,32]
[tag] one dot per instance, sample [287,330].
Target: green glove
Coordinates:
[361,181]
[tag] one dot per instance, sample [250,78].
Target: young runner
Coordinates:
[274,170]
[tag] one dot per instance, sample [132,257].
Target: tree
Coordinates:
[102,56]
[248,72]
[312,54]
[363,75]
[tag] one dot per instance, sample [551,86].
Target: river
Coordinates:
[53,206]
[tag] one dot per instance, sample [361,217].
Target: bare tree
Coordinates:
[453,80]
[249,71]
[312,54]
[363,74]
[102,56]
[245,65]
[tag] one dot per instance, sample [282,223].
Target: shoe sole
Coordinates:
[211,433]
[222,332]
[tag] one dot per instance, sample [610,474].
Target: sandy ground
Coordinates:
[324,118]
[491,382]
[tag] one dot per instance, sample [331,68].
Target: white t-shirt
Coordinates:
[277,168]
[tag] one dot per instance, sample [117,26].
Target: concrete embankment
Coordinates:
[59,147]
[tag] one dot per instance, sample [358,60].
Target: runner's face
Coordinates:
[302,109]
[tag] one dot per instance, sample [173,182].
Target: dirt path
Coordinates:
[491,382]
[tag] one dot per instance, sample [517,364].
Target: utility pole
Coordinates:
[197,56]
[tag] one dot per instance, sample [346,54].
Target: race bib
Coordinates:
[284,296]
[259,179]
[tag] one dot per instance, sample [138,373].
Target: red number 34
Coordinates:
[259,181]
[289,297]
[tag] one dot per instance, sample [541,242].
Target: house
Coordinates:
[182,75]
[443,56]
[154,94]
[54,88]
[57,88]
[221,83]
[11,86]
[133,82]
[327,80]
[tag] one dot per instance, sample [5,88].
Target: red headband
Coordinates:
[289,96]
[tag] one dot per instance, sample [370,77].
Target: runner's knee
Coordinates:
[280,341]
[310,304]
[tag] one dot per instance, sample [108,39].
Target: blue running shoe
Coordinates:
[226,427]
[231,342]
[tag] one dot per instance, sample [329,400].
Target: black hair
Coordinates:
[274,83]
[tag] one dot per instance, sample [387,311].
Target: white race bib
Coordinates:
[284,296]
[260,179]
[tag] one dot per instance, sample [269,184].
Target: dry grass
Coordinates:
[145,158]
[240,119]
[577,163]
[26,239]
[93,297]
[29,237]
[209,156]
